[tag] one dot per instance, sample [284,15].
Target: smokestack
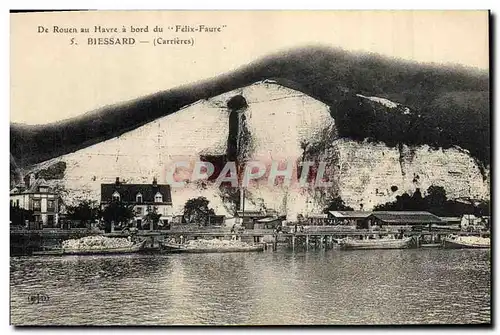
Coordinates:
[32,180]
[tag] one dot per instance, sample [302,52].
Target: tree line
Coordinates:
[435,202]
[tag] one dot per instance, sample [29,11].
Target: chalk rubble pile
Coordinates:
[96,243]
[474,240]
[216,244]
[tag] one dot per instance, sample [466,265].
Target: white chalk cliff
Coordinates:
[281,122]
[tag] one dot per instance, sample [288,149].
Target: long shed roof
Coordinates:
[251,213]
[268,219]
[350,214]
[404,217]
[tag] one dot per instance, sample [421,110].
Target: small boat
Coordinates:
[104,251]
[350,244]
[430,245]
[185,248]
[466,242]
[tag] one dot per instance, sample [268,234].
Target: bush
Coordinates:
[55,171]
[18,216]
[197,211]
[436,203]
[337,204]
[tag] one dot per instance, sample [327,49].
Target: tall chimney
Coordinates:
[155,182]
[32,180]
[117,182]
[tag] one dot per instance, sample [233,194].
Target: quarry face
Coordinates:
[275,123]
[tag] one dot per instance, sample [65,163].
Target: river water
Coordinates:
[273,288]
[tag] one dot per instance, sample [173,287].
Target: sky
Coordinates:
[55,78]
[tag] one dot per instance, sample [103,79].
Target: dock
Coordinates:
[321,237]
[317,239]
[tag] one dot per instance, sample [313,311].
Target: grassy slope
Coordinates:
[445,96]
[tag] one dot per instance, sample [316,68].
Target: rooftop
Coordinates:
[34,188]
[350,214]
[268,219]
[316,216]
[128,192]
[450,218]
[406,217]
[251,213]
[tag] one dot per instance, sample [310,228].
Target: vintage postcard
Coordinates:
[250,168]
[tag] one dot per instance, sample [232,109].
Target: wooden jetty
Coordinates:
[323,237]
[319,239]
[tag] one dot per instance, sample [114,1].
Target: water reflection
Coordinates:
[333,287]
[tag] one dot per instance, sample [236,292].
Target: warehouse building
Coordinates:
[401,219]
[348,218]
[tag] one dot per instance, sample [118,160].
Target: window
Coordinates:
[50,205]
[50,220]
[158,197]
[17,203]
[138,198]
[116,196]
[36,205]
[138,210]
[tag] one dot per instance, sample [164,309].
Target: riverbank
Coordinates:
[24,242]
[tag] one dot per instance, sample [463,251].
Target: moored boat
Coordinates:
[94,251]
[466,242]
[350,244]
[210,247]
[430,245]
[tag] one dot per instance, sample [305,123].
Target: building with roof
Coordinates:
[259,218]
[470,220]
[216,220]
[270,222]
[314,219]
[402,218]
[348,218]
[451,220]
[38,197]
[248,218]
[143,198]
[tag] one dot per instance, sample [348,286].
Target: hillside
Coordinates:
[277,123]
[450,106]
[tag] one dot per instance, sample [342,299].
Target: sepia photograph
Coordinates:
[250,168]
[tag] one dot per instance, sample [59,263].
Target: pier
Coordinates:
[319,239]
[24,241]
